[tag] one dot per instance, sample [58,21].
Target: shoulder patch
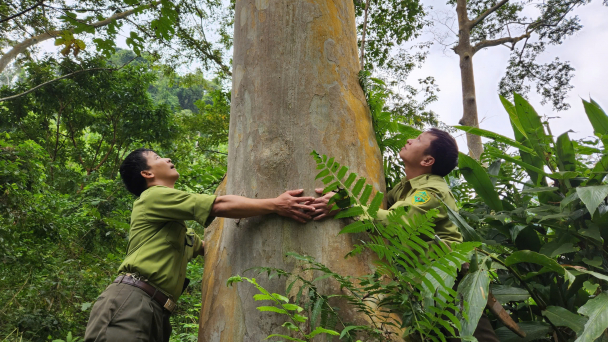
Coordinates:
[420,197]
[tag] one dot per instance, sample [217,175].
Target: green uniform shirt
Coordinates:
[160,243]
[421,194]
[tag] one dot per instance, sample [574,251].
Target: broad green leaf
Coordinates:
[322,174]
[597,311]
[535,258]
[342,172]
[592,196]
[468,233]
[555,248]
[292,307]
[540,189]
[350,180]
[504,293]
[510,108]
[534,331]
[474,290]
[599,171]
[494,170]
[260,296]
[562,317]
[280,297]
[495,136]
[565,153]
[536,170]
[299,318]
[598,119]
[358,186]
[479,179]
[533,127]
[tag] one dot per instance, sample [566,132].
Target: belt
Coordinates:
[153,292]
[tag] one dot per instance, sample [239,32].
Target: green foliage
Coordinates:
[64,213]
[548,237]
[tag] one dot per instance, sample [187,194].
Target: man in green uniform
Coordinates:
[137,305]
[426,160]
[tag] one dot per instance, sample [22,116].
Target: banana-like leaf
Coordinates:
[474,290]
[565,153]
[531,123]
[510,108]
[504,293]
[562,317]
[598,119]
[479,179]
[599,171]
[592,196]
[495,136]
[535,258]
[597,311]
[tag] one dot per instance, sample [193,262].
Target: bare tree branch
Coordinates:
[363,35]
[487,43]
[483,15]
[22,12]
[21,47]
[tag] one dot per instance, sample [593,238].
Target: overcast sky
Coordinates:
[587,51]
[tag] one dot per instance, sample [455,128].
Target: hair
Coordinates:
[130,171]
[445,151]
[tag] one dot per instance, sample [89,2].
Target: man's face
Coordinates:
[161,168]
[413,152]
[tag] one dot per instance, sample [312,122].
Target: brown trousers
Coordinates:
[126,313]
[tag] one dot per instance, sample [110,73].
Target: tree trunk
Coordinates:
[469,103]
[295,89]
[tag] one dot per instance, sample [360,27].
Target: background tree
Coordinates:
[483,24]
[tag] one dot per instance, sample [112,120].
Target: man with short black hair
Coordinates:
[426,160]
[137,305]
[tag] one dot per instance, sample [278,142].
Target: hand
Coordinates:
[322,208]
[289,204]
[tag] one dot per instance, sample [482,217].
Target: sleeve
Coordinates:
[196,242]
[418,203]
[166,204]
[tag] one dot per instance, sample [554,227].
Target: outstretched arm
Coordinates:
[288,204]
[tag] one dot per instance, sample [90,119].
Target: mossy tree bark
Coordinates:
[295,89]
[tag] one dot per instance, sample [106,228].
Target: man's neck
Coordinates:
[168,184]
[411,173]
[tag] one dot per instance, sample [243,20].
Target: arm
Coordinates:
[287,204]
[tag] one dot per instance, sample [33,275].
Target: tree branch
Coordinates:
[22,12]
[51,81]
[483,15]
[494,42]
[21,47]
[363,35]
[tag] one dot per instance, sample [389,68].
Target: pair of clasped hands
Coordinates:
[304,209]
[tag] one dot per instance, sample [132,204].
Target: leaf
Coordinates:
[505,293]
[562,317]
[494,170]
[565,153]
[375,204]
[494,136]
[320,330]
[533,127]
[535,258]
[271,309]
[292,307]
[322,174]
[350,212]
[356,227]
[349,328]
[342,172]
[299,318]
[474,290]
[479,179]
[85,306]
[316,310]
[260,296]
[592,196]
[534,331]
[597,311]
[598,119]
[510,108]
[540,189]
[468,233]
[290,326]
[358,186]
[599,171]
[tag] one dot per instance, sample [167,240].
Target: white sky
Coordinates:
[587,52]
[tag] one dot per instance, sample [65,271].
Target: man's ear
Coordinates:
[147,174]
[427,161]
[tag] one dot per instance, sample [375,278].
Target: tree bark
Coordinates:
[295,89]
[469,103]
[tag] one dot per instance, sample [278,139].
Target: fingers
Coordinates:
[319,191]
[305,199]
[295,192]
[304,207]
[300,216]
[319,217]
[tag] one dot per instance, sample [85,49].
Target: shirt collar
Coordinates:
[420,181]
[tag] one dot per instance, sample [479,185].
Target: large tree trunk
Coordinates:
[469,102]
[295,88]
